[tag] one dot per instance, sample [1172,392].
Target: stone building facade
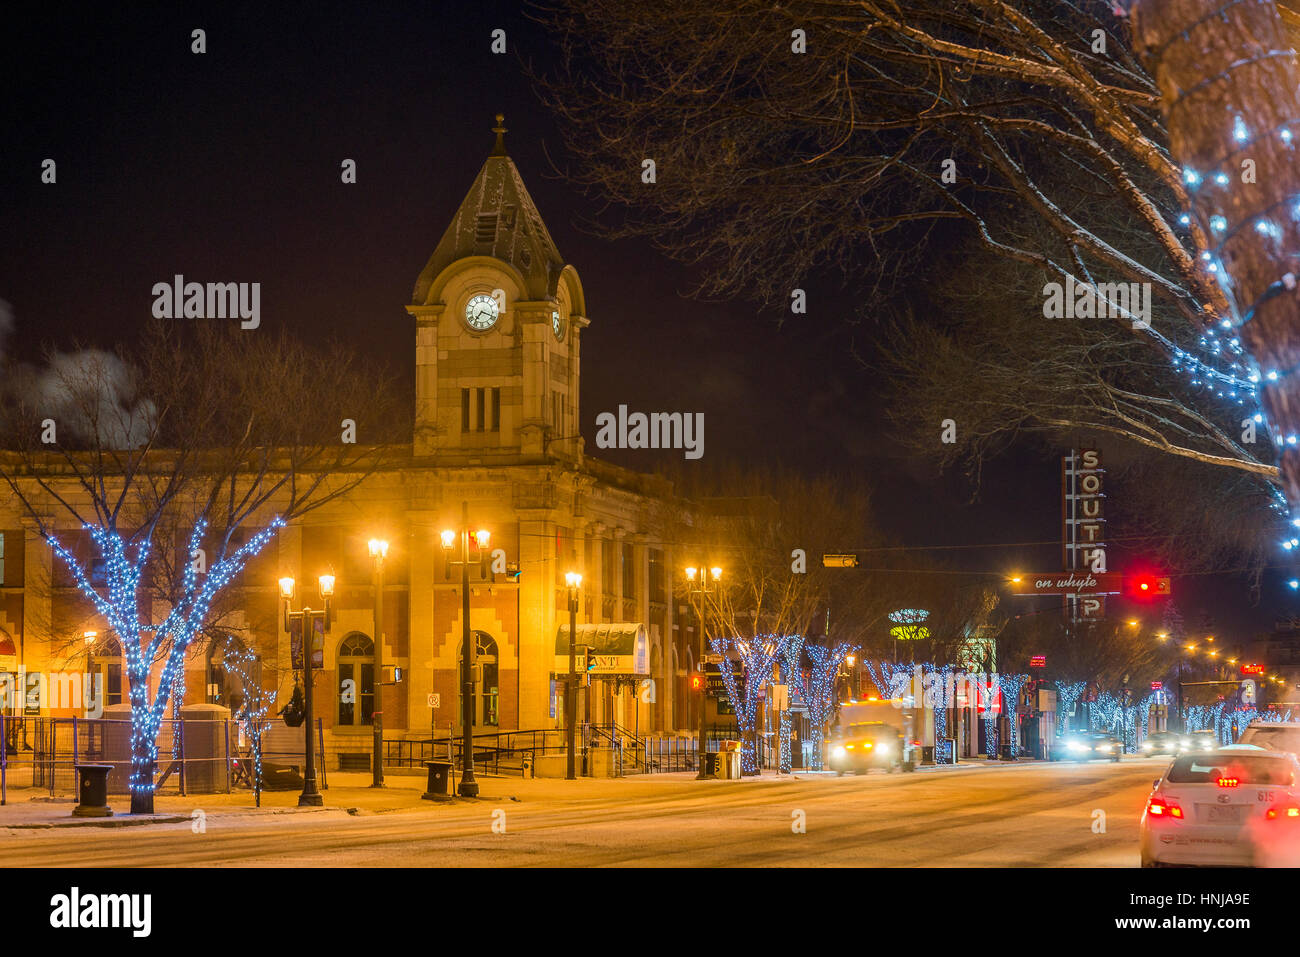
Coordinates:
[498,319]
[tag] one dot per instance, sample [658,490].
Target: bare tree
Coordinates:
[219,435]
[866,137]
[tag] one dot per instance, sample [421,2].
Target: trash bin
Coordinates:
[729,765]
[93,791]
[710,764]
[439,777]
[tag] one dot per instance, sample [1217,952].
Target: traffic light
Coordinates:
[589,659]
[697,682]
[1145,587]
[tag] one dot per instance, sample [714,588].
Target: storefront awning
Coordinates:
[621,648]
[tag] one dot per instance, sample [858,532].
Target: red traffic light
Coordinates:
[1146,587]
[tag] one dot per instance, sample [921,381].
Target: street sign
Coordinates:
[1068,583]
[435,701]
[840,561]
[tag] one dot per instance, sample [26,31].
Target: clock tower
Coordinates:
[499,317]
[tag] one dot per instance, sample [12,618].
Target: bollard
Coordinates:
[93,791]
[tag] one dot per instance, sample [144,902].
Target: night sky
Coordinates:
[225,167]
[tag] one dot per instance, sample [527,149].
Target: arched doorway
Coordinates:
[356,680]
[108,668]
[487,690]
[228,667]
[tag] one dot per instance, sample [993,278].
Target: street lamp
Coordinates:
[378,552]
[468,786]
[574,582]
[306,620]
[699,591]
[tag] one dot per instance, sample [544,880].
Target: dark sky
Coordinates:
[225,167]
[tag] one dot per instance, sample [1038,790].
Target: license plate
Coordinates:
[1223,815]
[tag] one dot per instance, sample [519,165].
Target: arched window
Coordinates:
[107,665]
[227,672]
[487,691]
[356,680]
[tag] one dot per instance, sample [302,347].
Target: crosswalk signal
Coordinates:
[697,682]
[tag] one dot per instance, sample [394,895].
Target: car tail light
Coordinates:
[1158,807]
[1228,782]
[1274,813]
[868,745]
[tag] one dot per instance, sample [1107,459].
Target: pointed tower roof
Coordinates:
[498,218]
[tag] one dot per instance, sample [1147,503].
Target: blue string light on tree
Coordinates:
[142,643]
[757,655]
[821,698]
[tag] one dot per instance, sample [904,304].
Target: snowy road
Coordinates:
[1018,815]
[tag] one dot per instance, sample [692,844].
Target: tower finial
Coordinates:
[500,130]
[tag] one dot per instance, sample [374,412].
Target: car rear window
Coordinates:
[1247,769]
[1275,739]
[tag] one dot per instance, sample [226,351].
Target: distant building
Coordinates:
[1279,653]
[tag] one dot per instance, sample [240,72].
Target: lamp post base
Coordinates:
[310,799]
[468,787]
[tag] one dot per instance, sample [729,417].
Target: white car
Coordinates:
[1236,806]
[1273,735]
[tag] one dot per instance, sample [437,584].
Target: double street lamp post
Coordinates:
[574,582]
[468,786]
[700,584]
[306,619]
[378,552]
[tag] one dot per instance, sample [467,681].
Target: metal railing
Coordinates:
[194,756]
[494,752]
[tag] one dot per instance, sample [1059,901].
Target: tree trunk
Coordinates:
[143,762]
[1215,62]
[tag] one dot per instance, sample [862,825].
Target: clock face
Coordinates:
[556,325]
[481,313]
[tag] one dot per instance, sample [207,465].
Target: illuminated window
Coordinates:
[356,680]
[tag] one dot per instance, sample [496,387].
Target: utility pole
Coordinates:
[574,581]
[468,786]
[378,551]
